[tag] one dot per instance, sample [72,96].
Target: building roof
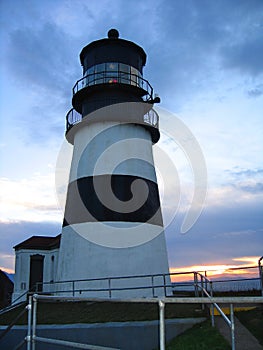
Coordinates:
[40,242]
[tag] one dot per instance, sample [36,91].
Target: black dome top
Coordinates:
[112,49]
[113,34]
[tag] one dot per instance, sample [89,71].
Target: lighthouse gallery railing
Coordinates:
[114,77]
[150,118]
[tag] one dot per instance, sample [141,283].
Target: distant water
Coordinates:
[223,285]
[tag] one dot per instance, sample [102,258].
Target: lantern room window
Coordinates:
[112,72]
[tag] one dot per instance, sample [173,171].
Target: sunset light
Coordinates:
[216,93]
[6,270]
[248,268]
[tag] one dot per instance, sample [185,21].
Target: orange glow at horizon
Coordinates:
[185,273]
[7,270]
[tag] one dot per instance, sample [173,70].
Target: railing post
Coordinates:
[73,288]
[162,324]
[260,268]
[152,278]
[34,322]
[109,281]
[195,284]
[212,305]
[232,327]
[29,321]
[202,290]
[164,285]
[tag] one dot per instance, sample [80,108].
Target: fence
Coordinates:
[202,288]
[149,118]
[169,284]
[112,78]
[32,338]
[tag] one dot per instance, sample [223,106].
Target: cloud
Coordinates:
[252,187]
[237,173]
[41,57]
[195,248]
[14,232]
[255,92]
[30,199]
[246,56]
[41,63]
[227,267]
[198,43]
[198,51]
[246,180]
[221,232]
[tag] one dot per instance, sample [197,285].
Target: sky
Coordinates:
[205,61]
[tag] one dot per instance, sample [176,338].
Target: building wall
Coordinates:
[22,270]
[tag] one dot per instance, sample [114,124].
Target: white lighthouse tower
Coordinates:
[112,236]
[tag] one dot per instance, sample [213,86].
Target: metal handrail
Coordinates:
[152,282]
[201,282]
[114,77]
[73,117]
[151,118]
[260,267]
[114,278]
[152,277]
[161,302]
[13,305]
[214,304]
[11,325]
[15,302]
[151,285]
[176,300]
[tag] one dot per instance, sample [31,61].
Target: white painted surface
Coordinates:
[22,269]
[116,234]
[102,250]
[112,148]
[81,259]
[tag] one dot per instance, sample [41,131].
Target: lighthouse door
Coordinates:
[36,272]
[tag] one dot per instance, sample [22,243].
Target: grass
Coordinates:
[200,337]
[97,312]
[246,293]
[253,321]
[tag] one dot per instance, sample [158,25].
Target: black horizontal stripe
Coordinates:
[84,205]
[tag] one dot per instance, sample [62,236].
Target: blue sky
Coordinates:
[204,59]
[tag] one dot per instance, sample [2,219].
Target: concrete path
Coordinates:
[244,339]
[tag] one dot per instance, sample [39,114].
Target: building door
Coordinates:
[36,272]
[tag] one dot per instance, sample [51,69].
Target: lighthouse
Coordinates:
[112,236]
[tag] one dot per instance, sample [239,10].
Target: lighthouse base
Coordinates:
[89,269]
